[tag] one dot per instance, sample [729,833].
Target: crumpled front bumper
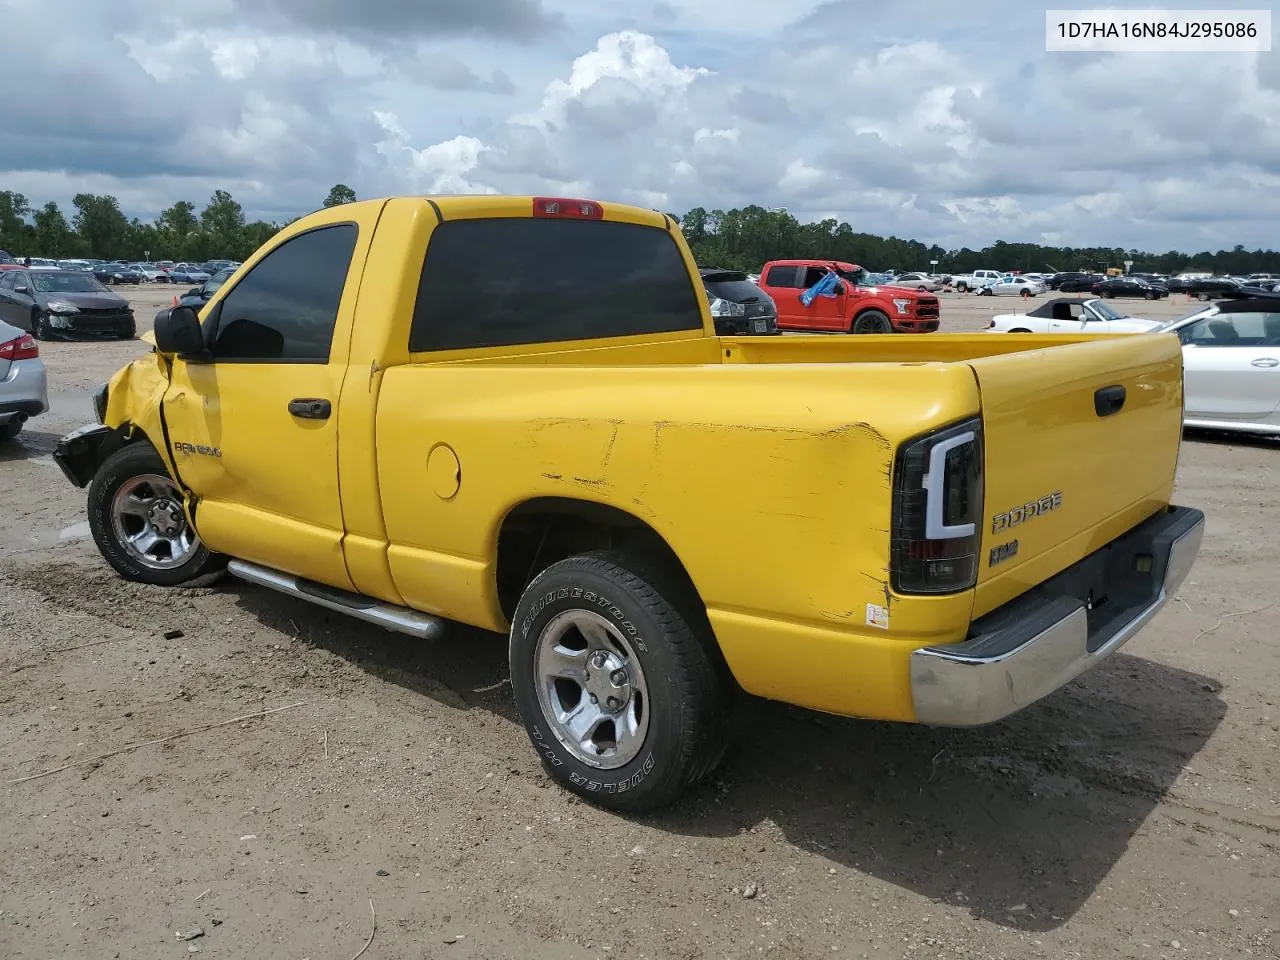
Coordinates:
[1050,635]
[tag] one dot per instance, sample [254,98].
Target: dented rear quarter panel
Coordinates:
[772,484]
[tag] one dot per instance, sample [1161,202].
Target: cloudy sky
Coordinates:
[929,119]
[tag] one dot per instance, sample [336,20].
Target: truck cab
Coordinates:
[854,304]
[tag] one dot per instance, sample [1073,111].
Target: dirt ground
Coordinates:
[1134,814]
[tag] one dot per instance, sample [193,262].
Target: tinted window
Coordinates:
[286,306]
[781,277]
[6,279]
[503,282]
[739,290]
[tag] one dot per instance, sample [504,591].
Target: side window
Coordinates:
[6,279]
[812,275]
[511,281]
[1271,329]
[783,277]
[285,308]
[1217,331]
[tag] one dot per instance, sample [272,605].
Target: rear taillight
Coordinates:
[23,348]
[567,209]
[937,511]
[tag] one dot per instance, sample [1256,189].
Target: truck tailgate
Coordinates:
[1081,444]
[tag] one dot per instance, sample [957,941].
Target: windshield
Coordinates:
[67,283]
[1106,312]
[860,277]
[215,282]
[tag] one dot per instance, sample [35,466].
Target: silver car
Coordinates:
[921,282]
[24,387]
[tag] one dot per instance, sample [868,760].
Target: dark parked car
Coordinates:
[198,296]
[52,303]
[1130,287]
[1203,288]
[1079,282]
[738,306]
[116,273]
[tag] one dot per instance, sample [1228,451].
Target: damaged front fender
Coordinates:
[130,408]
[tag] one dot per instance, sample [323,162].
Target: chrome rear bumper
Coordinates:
[1053,633]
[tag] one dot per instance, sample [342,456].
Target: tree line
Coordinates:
[746,239]
[98,228]
[735,239]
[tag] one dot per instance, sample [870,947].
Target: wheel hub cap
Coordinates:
[166,517]
[607,681]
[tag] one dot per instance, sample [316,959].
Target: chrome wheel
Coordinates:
[147,517]
[591,689]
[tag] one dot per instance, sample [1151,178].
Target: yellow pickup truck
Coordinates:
[514,413]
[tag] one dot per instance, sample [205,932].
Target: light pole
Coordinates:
[933,264]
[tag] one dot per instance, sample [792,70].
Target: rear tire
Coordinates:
[871,321]
[11,429]
[137,521]
[616,681]
[962,287]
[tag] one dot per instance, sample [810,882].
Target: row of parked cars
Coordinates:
[126,272]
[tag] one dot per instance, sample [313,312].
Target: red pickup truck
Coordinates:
[857,307]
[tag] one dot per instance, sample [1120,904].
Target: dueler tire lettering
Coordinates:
[687,697]
[131,461]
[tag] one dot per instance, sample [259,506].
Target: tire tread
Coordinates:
[703,695]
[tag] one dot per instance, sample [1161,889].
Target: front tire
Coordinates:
[872,321]
[40,325]
[614,676]
[11,429]
[137,521]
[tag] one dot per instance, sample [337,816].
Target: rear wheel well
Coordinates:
[540,532]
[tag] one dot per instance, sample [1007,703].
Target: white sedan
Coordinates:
[1231,366]
[1013,287]
[1071,315]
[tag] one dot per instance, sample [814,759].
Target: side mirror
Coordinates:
[22,288]
[178,333]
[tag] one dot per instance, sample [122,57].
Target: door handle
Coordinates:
[1266,362]
[1108,400]
[310,409]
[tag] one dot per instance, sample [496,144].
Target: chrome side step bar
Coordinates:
[388,615]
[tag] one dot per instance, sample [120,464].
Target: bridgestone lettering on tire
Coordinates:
[615,681]
[131,500]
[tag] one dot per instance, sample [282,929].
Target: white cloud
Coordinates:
[915,119]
